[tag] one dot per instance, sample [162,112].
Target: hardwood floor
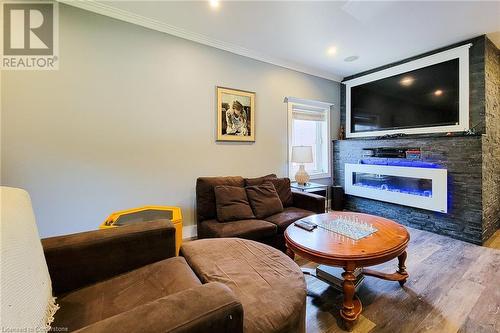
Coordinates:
[453,287]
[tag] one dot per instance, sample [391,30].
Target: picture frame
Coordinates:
[235,115]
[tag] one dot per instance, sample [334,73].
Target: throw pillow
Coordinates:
[264,200]
[232,204]
[282,186]
[259,180]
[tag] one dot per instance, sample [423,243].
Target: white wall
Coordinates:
[129,120]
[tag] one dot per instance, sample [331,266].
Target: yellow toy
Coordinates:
[147,213]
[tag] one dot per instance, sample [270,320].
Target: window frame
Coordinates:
[326,107]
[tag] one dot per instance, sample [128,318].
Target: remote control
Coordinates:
[305,225]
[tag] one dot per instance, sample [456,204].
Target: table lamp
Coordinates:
[302,154]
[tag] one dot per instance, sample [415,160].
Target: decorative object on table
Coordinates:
[235,115]
[148,213]
[348,226]
[302,155]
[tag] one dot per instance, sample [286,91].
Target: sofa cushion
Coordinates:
[205,195]
[264,200]
[287,217]
[268,283]
[124,292]
[232,203]
[250,229]
[258,180]
[282,186]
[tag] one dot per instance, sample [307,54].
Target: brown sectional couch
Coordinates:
[268,230]
[128,279]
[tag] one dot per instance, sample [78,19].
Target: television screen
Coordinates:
[425,97]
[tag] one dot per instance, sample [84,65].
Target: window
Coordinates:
[309,125]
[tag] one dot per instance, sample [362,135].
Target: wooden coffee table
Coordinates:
[327,247]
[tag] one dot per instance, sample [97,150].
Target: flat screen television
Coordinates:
[426,99]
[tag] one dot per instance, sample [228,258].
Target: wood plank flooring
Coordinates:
[454,287]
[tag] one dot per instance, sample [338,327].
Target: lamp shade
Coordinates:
[302,154]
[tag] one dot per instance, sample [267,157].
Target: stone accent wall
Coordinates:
[473,162]
[491,142]
[461,156]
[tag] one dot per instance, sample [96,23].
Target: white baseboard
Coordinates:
[189,232]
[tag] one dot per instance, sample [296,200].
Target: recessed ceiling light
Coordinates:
[214,3]
[331,50]
[351,58]
[438,92]
[407,81]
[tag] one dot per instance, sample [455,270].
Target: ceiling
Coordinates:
[297,35]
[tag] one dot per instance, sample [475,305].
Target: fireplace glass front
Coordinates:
[420,187]
[398,184]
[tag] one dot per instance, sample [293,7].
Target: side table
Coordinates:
[313,187]
[148,213]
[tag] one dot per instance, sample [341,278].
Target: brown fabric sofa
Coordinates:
[128,279]
[268,230]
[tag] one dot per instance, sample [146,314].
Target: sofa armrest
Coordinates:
[209,308]
[309,201]
[81,259]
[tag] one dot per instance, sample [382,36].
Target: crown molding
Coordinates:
[310,102]
[123,15]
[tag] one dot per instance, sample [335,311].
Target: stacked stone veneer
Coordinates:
[473,162]
[491,142]
[461,156]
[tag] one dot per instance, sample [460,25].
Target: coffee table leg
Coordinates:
[351,307]
[401,275]
[402,267]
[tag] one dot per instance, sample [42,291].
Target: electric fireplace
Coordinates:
[423,186]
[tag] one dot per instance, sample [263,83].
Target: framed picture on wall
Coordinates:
[235,115]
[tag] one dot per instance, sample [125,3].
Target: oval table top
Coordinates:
[390,240]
